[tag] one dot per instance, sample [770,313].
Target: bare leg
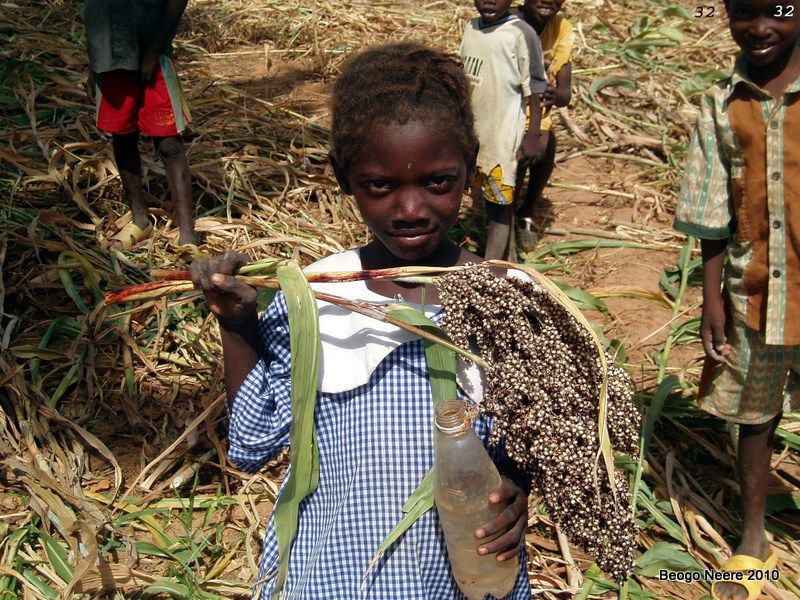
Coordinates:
[129,165]
[170,149]
[539,176]
[500,219]
[755,452]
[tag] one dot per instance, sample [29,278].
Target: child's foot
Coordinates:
[728,590]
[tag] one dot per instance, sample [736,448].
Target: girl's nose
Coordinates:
[410,206]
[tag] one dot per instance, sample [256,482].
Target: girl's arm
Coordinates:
[234,304]
[239,356]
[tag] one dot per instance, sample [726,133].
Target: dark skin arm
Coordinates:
[234,304]
[712,327]
[531,149]
[170,19]
[560,94]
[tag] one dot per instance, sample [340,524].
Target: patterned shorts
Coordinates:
[755,383]
[492,187]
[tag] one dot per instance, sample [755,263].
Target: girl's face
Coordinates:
[408,183]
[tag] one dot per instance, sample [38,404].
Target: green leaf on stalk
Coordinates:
[442,374]
[441,361]
[57,556]
[610,81]
[165,586]
[664,555]
[663,390]
[583,299]
[36,352]
[303,477]
[39,583]
[418,503]
[670,526]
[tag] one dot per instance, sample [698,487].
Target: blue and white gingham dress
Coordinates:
[375,446]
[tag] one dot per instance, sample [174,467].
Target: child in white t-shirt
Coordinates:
[503,59]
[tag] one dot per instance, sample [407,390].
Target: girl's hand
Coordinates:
[712,330]
[232,301]
[511,524]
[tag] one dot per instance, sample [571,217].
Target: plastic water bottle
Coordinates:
[464,478]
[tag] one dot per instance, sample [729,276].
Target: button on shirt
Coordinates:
[118,31]
[741,184]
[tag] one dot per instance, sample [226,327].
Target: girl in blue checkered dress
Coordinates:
[404,146]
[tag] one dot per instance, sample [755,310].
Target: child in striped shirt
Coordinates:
[741,198]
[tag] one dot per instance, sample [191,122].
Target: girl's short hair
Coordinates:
[398,83]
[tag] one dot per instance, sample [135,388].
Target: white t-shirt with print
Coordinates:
[503,61]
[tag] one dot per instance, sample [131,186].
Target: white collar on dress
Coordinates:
[353,345]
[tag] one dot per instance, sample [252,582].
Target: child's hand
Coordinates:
[712,330]
[148,65]
[512,523]
[552,97]
[232,301]
[531,150]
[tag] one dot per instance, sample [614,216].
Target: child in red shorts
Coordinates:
[133,80]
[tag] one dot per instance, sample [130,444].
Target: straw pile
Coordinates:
[92,397]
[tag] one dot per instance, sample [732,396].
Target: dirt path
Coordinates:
[641,324]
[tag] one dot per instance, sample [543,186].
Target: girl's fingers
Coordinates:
[230,261]
[194,272]
[506,492]
[509,554]
[509,541]
[204,275]
[228,284]
[511,515]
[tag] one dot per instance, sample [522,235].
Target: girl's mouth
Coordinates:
[412,237]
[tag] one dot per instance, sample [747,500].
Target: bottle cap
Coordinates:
[453,418]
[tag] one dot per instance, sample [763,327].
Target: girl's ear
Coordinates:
[341,174]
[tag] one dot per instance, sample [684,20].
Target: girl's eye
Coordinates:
[441,183]
[377,186]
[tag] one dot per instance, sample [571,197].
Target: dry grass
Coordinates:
[90,397]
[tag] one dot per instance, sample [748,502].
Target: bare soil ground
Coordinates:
[258,79]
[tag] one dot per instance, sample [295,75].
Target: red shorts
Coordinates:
[126,104]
